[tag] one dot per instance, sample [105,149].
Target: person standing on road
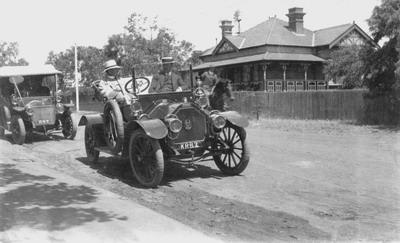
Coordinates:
[167,80]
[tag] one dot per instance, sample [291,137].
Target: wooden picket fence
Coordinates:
[321,105]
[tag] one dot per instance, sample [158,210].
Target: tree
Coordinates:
[345,67]
[9,54]
[144,44]
[382,65]
[90,63]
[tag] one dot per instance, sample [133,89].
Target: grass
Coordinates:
[318,126]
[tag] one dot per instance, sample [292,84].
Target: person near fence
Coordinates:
[209,79]
[167,80]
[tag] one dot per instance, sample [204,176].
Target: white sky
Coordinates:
[40,26]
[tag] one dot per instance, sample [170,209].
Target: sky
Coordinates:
[42,26]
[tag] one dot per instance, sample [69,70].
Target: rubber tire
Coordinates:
[158,162]
[90,144]
[69,127]
[2,132]
[245,155]
[112,107]
[18,129]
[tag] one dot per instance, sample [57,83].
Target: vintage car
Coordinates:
[151,129]
[29,103]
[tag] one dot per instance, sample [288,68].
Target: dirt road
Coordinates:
[304,182]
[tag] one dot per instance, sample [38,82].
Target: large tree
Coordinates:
[90,63]
[382,65]
[10,54]
[144,44]
[345,67]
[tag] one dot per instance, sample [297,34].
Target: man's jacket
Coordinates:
[166,82]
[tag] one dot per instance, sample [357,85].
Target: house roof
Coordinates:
[275,31]
[268,56]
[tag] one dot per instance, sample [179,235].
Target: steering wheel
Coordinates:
[142,83]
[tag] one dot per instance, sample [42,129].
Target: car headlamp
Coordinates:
[201,97]
[136,107]
[174,124]
[218,121]
[29,110]
[59,108]
[14,100]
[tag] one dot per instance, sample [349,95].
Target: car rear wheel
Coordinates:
[235,158]
[146,159]
[91,143]
[113,126]
[69,127]
[18,129]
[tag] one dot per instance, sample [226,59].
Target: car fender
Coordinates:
[154,128]
[235,118]
[6,117]
[92,119]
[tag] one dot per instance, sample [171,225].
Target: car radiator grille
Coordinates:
[44,115]
[194,125]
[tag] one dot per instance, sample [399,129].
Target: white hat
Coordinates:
[110,64]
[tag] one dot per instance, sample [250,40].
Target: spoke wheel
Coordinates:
[113,126]
[236,157]
[69,127]
[146,159]
[18,130]
[90,144]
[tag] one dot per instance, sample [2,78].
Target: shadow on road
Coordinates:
[32,138]
[118,168]
[41,203]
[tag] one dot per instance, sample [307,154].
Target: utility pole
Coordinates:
[76,80]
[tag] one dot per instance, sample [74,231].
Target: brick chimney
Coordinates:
[226,27]
[296,20]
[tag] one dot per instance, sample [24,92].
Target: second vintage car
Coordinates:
[29,103]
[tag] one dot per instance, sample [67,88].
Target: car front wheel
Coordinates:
[146,159]
[235,156]
[18,129]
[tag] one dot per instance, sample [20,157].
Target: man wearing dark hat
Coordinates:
[166,80]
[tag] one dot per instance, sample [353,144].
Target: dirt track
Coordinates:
[328,182]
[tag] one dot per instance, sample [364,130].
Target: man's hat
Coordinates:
[110,64]
[167,60]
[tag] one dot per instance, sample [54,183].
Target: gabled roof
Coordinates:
[326,36]
[275,31]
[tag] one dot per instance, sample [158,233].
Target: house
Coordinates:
[276,55]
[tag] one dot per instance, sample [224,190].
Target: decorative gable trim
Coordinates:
[225,46]
[353,31]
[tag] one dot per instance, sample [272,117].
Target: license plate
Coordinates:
[189,145]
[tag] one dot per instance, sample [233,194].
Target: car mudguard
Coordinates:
[92,119]
[235,118]
[154,128]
